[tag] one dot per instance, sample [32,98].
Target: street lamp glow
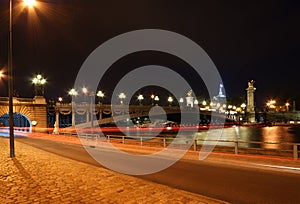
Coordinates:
[196,102]
[39,80]
[73,92]
[181,100]
[29,3]
[271,104]
[287,104]
[243,105]
[84,90]
[122,96]
[140,98]
[170,99]
[100,94]
[204,103]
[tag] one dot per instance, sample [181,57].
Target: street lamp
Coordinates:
[181,100]
[271,104]
[152,99]
[287,104]
[39,83]
[156,98]
[10,79]
[84,90]
[122,96]
[100,94]
[73,92]
[243,106]
[140,98]
[170,100]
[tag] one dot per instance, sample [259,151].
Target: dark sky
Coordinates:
[257,40]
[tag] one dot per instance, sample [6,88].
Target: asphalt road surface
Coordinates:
[221,181]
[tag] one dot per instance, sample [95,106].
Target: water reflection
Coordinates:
[275,137]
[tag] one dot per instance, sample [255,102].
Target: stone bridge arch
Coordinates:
[34,109]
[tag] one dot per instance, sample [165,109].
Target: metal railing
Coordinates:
[234,146]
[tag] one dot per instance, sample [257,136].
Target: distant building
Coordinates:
[220,98]
[250,101]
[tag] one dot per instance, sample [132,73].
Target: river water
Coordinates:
[274,137]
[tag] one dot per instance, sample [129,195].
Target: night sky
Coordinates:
[257,40]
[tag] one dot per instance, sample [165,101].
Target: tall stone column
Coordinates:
[250,102]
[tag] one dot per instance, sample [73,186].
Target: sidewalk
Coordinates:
[36,176]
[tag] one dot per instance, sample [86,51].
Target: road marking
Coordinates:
[280,167]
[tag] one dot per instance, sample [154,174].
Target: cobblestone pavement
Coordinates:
[36,176]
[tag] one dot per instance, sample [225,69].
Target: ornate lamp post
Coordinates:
[156,98]
[140,98]
[181,100]
[100,95]
[122,97]
[39,83]
[287,104]
[73,93]
[152,99]
[170,100]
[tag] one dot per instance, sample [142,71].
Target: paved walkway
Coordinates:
[36,176]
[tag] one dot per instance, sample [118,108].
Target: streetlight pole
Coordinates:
[10,79]
[10,87]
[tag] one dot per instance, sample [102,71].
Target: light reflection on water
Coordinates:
[274,137]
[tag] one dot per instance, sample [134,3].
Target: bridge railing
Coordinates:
[232,146]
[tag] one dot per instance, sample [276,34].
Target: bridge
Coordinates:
[28,112]
[35,114]
[106,113]
[32,114]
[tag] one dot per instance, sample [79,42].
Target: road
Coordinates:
[221,181]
